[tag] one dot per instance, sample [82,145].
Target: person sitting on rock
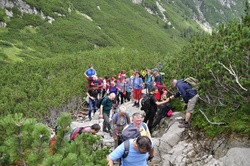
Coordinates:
[151,112]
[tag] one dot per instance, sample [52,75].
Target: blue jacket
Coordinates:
[185,90]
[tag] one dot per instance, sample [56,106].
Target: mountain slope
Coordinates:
[40,29]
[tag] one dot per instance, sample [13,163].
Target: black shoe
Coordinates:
[110,133]
[184,125]
[137,105]
[106,131]
[134,104]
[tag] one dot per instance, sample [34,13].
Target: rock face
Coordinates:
[23,7]
[237,156]
[137,1]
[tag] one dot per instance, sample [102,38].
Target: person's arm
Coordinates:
[110,162]
[162,102]
[151,153]
[90,96]
[128,118]
[86,74]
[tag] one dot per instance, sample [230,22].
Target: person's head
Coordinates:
[155,71]
[112,83]
[143,144]
[122,109]
[154,90]
[137,119]
[137,74]
[149,72]
[95,128]
[123,72]
[174,82]
[112,96]
[91,66]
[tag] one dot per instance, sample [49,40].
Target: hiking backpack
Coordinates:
[128,133]
[75,132]
[193,82]
[145,102]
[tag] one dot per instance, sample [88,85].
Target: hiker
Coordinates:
[143,74]
[121,87]
[90,72]
[93,97]
[93,129]
[139,152]
[119,121]
[162,111]
[137,89]
[189,96]
[105,108]
[142,127]
[149,80]
[122,74]
[151,111]
[158,79]
[128,88]
[105,85]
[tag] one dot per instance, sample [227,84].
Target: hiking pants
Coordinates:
[92,106]
[106,123]
[150,118]
[118,97]
[161,113]
[128,95]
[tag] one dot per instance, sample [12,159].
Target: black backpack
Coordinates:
[145,102]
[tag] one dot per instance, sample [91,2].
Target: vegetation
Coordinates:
[42,67]
[33,87]
[25,142]
[221,63]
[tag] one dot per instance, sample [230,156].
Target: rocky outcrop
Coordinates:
[2,24]
[201,19]
[24,8]
[227,3]
[137,1]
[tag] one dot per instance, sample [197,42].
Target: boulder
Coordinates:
[236,156]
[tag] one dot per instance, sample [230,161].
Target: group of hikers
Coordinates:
[133,139]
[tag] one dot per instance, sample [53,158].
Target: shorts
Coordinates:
[191,103]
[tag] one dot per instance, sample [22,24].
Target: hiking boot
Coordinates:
[184,125]
[181,121]
[110,133]
[104,130]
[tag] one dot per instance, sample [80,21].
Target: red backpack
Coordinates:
[75,132]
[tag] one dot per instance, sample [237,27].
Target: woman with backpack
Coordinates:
[119,121]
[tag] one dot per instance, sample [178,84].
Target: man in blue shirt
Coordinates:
[189,96]
[90,72]
[138,152]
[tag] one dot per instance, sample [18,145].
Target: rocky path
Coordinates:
[182,147]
